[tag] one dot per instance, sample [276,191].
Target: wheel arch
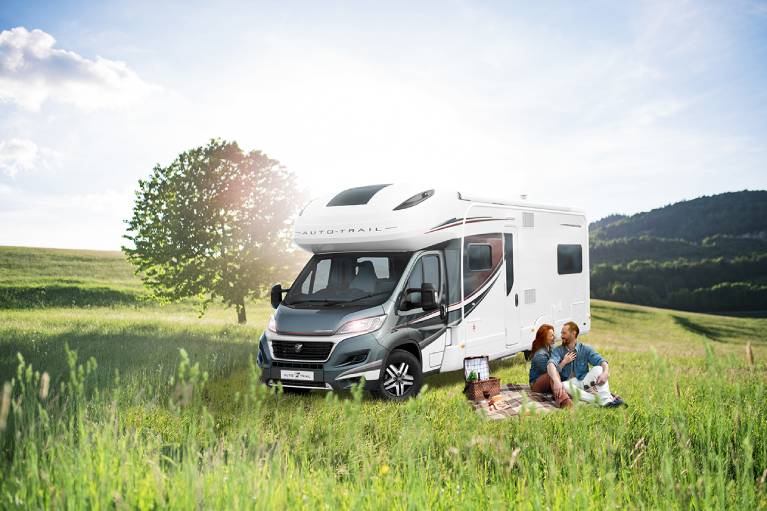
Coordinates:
[408,345]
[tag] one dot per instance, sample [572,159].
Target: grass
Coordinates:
[133,422]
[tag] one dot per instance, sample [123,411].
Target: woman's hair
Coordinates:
[540,337]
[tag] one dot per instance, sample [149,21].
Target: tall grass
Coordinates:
[162,409]
[136,448]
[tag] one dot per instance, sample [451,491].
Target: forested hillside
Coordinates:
[706,254]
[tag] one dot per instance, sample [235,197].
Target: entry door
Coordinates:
[484,295]
[512,301]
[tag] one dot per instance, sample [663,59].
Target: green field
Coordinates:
[134,424]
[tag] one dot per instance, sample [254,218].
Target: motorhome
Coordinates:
[406,281]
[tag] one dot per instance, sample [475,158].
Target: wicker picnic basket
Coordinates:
[483,389]
[485,386]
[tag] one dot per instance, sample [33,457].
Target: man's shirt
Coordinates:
[538,364]
[585,355]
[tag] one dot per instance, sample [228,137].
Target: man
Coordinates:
[569,363]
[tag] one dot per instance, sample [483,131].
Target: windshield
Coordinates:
[360,278]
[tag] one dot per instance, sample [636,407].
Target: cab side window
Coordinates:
[426,270]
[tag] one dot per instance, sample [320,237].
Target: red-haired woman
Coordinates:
[539,378]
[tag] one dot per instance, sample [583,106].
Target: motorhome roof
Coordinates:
[521,203]
[394,217]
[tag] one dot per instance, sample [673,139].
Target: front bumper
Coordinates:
[344,368]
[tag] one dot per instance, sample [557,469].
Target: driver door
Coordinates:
[430,325]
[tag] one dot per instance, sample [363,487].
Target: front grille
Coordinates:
[301,383]
[302,350]
[296,365]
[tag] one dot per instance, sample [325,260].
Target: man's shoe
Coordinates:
[616,402]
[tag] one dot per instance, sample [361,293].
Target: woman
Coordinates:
[539,377]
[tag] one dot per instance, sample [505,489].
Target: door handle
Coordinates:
[516,299]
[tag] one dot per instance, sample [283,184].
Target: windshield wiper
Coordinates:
[366,296]
[299,302]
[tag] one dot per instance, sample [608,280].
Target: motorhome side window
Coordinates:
[569,259]
[508,249]
[480,257]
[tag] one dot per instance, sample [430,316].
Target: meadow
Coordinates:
[118,403]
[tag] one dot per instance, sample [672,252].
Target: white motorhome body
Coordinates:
[499,268]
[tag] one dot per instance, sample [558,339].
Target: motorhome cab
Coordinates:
[405,282]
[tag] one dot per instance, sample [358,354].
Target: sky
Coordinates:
[613,107]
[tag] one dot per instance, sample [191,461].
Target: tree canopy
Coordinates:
[215,223]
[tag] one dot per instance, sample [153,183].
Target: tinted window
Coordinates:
[480,257]
[355,196]
[431,270]
[426,270]
[508,251]
[487,245]
[569,259]
[416,276]
[453,270]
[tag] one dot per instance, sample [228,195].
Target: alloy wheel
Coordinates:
[398,379]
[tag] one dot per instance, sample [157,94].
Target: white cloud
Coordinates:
[23,155]
[33,71]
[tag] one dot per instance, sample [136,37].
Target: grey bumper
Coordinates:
[351,360]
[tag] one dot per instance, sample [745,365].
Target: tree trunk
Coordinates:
[241,319]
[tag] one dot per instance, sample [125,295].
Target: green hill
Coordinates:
[706,254]
[736,214]
[37,277]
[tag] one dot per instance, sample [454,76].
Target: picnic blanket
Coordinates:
[516,399]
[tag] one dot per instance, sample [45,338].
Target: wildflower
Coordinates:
[478,440]
[383,470]
[5,406]
[639,449]
[45,382]
[514,456]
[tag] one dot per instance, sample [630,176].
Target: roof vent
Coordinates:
[415,199]
[355,196]
[528,219]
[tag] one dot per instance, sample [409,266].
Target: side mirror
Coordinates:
[428,297]
[276,295]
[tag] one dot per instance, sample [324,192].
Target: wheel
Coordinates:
[401,378]
[527,354]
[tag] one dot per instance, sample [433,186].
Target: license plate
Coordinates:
[297,375]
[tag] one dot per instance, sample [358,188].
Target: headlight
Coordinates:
[272,324]
[361,326]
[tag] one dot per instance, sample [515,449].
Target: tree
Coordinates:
[213,224]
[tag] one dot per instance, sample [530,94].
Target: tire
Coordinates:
[401,367]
